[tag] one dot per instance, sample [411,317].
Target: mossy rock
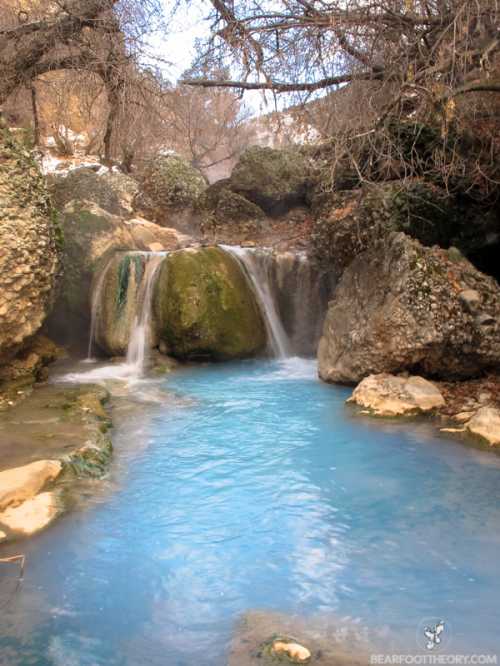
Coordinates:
[169,181]
[204,307]
[111,192]
[357,218]
[30,242]
[275,180]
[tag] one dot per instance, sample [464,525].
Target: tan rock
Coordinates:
[486,424]
[3,536]
[390,395]
[462,417]
[294,651]
[23,483]
[32,515]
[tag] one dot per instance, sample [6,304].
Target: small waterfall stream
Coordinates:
[293,295]
[139,292]
[140,335]
[259,280]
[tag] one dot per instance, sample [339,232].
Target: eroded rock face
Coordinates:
[400,306]
[204,307]
[389,395]
[29,249]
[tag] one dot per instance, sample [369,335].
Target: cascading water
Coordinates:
[140,335]
[293,294]
[259,279]
[136,275]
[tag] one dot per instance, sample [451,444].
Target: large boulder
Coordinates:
[111,191]
[275,180]
[204,307]
[400,306]
[29,241]
[169,185]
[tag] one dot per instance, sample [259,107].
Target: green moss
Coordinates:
[205,307]
[169,181]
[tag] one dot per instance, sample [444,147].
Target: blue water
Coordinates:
[252,485]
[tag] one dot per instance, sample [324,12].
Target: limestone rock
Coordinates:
[112,192]
[32,516]
[486,424]
[296,653]
[168,182]
[275,180]
[397,308]
[204,307]
[22,483]
[388,395]
[92,235]
[29,238]
[31,361]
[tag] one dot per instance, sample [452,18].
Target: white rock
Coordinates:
[390,395]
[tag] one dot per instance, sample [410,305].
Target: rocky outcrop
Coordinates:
[390,395]
[204,307]
[354,220]
[275,180]
[29,239]
[400,306]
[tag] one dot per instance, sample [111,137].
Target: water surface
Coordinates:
[251,485]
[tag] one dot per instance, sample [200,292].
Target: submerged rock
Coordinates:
[29,242]
[486,424]
[296,653]
[388,395]
[398,308]
[204,307]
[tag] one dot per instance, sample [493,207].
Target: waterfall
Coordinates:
[293,294]
[132,275]
[140,335]
[259,280]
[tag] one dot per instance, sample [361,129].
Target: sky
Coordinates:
[178,47]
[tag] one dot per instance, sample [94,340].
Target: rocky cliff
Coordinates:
[29,241]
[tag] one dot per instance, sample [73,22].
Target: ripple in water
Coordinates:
[250,486]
